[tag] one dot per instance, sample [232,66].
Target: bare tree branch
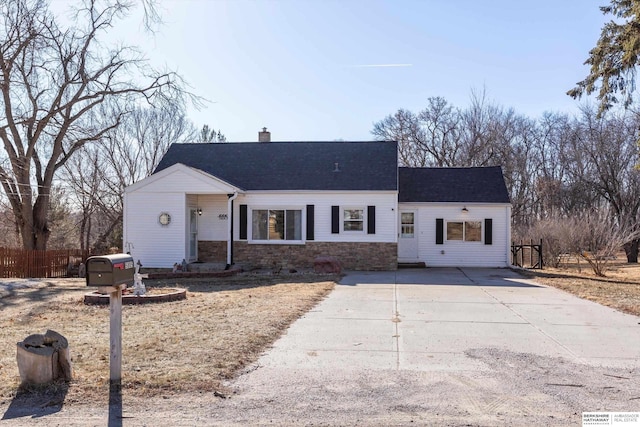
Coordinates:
[54,82]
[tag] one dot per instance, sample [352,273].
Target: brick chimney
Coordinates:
[264,136]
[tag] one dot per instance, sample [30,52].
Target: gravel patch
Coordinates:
[514,389]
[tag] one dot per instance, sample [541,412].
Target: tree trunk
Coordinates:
[33,226]
[631,249]
[83,227]
[44,358]
[100,245]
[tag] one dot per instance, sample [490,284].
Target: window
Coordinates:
[473,231]
[353,219]
[406,224]
[454,230]
[468,231]
[276,224]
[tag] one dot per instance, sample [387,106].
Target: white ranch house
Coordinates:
[283,204]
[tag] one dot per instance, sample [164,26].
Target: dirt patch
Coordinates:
[619,290]
[151,296]
[188,346]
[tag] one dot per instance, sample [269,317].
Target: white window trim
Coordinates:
[303,224]
[364,219]
[464,232]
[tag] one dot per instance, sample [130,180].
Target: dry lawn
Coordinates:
[184,346]
[619,290]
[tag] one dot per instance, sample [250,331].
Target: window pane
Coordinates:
[294,225]
[406,231]
[276,225]
[259,225]
[454,231]
[353,226]
[473,231]
[193,221]
[350,214]
[407,218]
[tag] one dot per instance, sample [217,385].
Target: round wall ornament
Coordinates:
[164,218]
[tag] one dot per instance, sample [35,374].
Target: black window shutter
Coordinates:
[439,231]
[335,219]
[488,231]
[371,220]
[310,222]
[243,222]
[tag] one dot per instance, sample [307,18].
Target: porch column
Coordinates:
[230,239]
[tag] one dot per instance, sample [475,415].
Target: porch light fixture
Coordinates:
[199,211]
[465,210]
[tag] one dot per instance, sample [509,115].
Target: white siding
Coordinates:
[458,253]
[151,243]
[174,190]
[385,203]
[210,225]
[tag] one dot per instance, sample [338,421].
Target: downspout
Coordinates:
[231,197]
[509,260]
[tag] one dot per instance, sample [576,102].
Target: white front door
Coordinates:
[193,235]
[408,236]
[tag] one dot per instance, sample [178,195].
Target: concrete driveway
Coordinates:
[427,319]
[444,346]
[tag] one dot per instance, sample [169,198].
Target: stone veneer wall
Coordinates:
[212,251]
[352,255]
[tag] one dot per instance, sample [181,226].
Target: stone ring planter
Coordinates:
[171,294]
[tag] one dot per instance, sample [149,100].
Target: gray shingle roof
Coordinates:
[465,185]
[293,165]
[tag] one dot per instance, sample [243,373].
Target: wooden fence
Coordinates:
[527,255]
[20,263]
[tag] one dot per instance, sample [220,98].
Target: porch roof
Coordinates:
[184,179]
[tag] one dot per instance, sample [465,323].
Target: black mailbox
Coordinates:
[110,270]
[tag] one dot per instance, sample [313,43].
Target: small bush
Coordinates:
[591,236]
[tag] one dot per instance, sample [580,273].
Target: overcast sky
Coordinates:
[328,69]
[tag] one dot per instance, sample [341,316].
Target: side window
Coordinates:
[353,219]
[455,230]
[464,231]
[473,231]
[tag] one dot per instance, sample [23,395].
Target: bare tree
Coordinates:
[592,235]
[605,156]
[125,155]
[208,134]
[439,132]
[82,174]
[9,234]
[404,128]
[56,85]
[482,124]
[599,237]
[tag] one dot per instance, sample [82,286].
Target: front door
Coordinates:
[193,235]
[408,236]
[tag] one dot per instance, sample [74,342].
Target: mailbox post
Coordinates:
[112,274]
